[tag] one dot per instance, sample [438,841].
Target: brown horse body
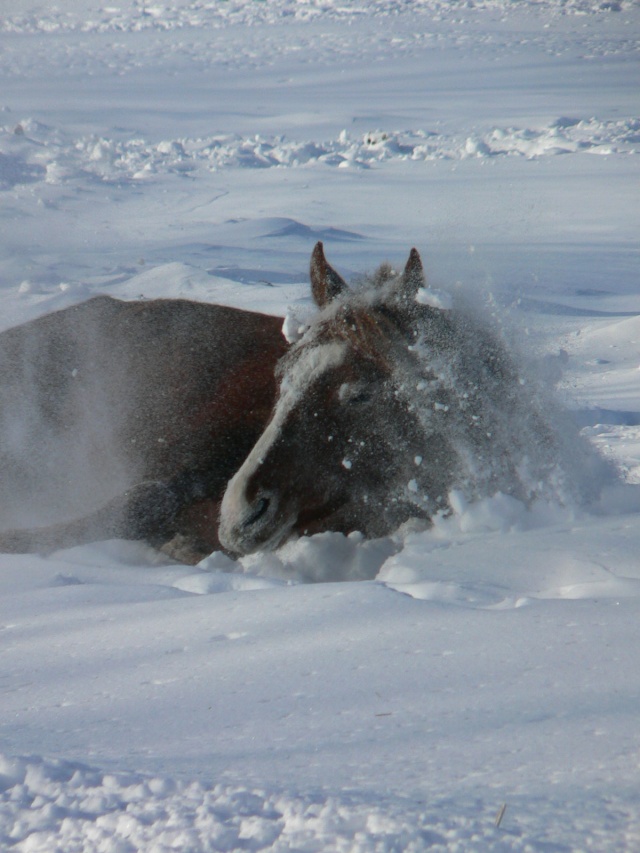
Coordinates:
[130,417]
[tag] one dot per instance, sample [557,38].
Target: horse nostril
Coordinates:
[261,507]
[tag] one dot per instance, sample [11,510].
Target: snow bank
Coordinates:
[49,806]
[53,806]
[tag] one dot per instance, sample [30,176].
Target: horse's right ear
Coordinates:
[413,276]
[326,284]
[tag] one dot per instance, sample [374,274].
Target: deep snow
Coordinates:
[199,149]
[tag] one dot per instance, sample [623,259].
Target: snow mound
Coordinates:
[217,574]
[323,557]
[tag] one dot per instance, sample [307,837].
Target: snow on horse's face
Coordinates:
[342,442]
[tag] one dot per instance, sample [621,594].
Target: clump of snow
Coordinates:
[323,557]
[439,299]
[297,320]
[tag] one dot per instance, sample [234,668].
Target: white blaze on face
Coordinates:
[307,369]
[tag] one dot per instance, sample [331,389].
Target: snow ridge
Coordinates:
[31,151]
[141,15]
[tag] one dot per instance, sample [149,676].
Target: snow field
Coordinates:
[481,687]
[336,694]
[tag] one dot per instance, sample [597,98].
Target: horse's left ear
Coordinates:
[326,283]
[413,276]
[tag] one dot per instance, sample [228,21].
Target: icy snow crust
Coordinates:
[199,150]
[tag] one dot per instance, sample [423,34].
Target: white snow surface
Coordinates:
[338,694]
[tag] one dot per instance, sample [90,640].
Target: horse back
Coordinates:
[102,395]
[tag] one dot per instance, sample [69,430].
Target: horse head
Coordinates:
[343,442]
[391,399]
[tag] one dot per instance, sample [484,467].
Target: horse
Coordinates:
[198,427]
[395,404]
[129,419]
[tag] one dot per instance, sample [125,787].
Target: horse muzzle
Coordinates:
[256,525]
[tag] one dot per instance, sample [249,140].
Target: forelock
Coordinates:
[367,320]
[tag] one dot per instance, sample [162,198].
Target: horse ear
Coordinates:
[413,276]
[326,284]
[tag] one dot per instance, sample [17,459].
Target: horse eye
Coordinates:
[363,396]
[354,394]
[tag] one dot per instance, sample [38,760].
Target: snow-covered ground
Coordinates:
[200,149]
